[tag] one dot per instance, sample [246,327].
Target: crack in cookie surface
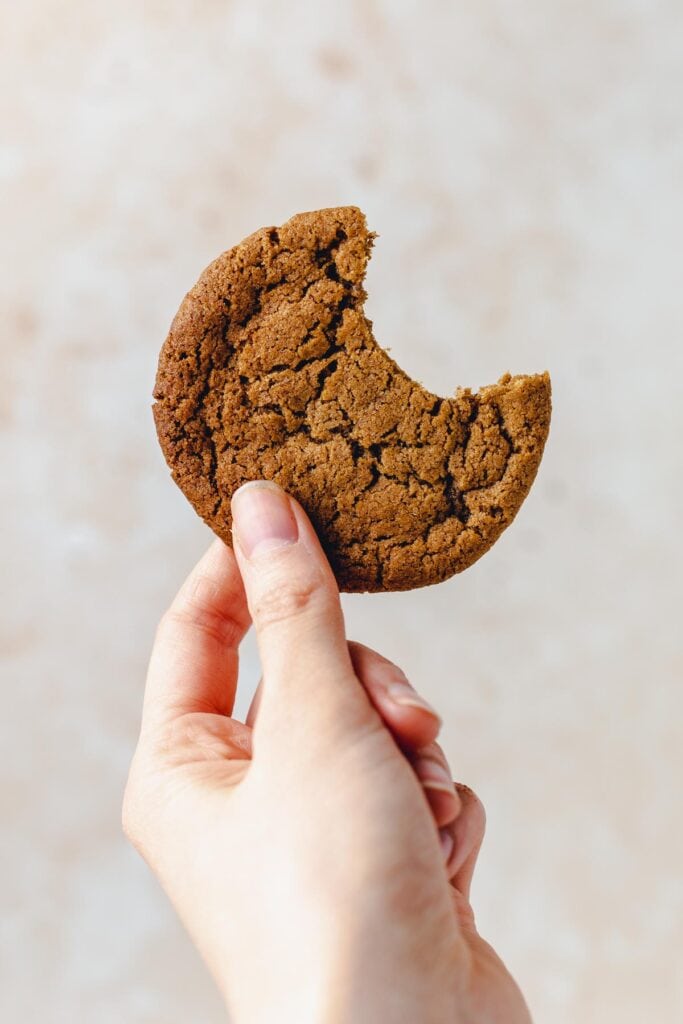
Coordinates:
[271,370]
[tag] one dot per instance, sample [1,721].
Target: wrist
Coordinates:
[293,990]
[322,998]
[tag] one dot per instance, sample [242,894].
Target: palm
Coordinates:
[219,827]
[211,756]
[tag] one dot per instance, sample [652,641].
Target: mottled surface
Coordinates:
[523,163]
[271,371]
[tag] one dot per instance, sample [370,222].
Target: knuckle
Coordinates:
[467,793]
[287,601]
[209,622]
[473,805]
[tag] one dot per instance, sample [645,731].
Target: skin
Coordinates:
[319,854]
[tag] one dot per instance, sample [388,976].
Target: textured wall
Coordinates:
[523,164]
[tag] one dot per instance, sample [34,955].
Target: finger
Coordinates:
[447,843]
[193,666]
[468,834]
[294,603]
[410,718]
[431,767]
[412,726]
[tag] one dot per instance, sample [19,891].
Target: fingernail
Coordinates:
[461,855]
[404,695]
[262,517]
[447,843]
[433,775]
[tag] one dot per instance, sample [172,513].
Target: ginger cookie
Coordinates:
[270,370]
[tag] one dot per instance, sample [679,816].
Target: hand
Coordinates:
[318,855]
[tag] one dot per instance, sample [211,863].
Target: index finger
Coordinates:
[194,661]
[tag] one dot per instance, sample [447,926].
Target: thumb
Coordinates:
[294,604]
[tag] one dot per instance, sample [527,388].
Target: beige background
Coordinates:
[523,164]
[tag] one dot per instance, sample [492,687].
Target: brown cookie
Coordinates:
[270,370]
